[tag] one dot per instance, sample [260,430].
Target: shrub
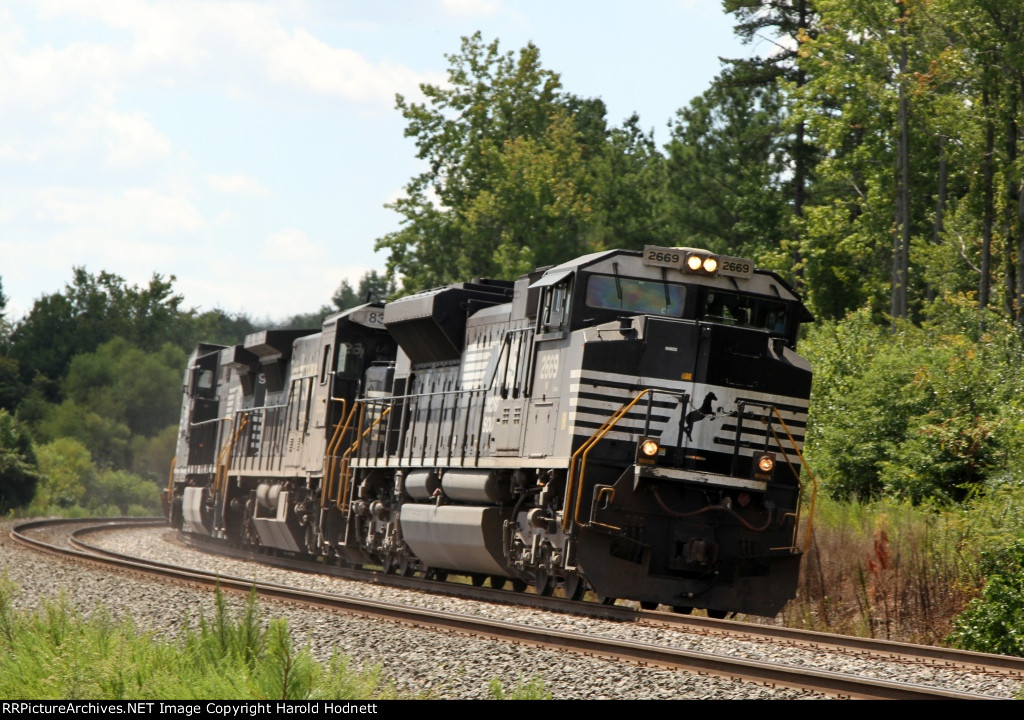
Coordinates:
[994,622]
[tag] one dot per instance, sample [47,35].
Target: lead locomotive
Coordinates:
[628,423]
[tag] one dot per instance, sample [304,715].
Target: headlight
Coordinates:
[765,464]
[649,448]
[702,263]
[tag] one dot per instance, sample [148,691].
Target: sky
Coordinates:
[247,147]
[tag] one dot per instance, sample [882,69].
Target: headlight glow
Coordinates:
[693,262]
[710,264]
[649,448]
[765,463]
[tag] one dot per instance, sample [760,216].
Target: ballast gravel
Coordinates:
[431,664]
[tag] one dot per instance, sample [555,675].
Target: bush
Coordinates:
[915,413]
[18,472]
[994,622]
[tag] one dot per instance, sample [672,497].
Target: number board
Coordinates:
[370,317]
[735,266]
[676,258]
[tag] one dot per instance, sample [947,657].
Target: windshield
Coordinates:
[745,310]
[651,297]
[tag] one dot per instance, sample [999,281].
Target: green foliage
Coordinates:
[92,310]
[727,170]
[56,653]
[994,622]
[521,174]
[71,484]
[916,412]
[67,472]
[118,400]
[19,473]
[218,327]
[372,287]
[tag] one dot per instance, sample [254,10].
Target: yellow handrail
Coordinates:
[345,465]
[224,459]
[341,438]
[170,477]
[584,449]
[332,445]
[814,482]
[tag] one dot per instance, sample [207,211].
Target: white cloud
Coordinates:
[131,140]
[84,215]
[292,245]
[302,60]
[237,184]
[235,44]
[471,8]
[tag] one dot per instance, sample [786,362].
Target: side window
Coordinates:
[205,381]
[350,358]
[555,312]
[325,364]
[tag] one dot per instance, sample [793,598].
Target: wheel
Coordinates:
[717,614]
[518,585]
[544,583]
[405,568]
[477,579]
[648,605]
[682,609]
[498,582]
[435,574]
[604,600]
[575,586]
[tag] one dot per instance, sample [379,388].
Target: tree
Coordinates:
[19,473]
[508,184]
[92,310]
[789,23]
[116,395]
[372,287]
[726,171]
[879,74]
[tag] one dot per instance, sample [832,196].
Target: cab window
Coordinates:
[636,295]
[350,358]
[730,308]
[555,313]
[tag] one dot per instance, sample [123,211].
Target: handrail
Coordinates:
[331,445]
[339,437]
[814,481]
[224,460]
[584,449]
[345,465]
[170,476]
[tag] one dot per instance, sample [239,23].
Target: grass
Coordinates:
[900,572]
[56,653]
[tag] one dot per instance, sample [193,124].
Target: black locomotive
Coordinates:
[628,423]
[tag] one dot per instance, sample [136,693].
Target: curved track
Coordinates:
[41,535]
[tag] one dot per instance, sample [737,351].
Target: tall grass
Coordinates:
[56,653]
[899,571]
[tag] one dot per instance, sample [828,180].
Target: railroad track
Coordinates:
[836,684]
